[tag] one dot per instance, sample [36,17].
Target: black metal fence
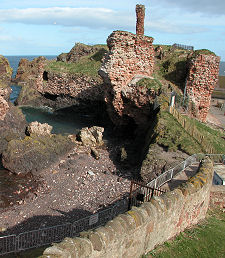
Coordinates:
[180,46]
[45,236]
[140,193]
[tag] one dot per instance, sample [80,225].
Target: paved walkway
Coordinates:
[189,172]
[181,177]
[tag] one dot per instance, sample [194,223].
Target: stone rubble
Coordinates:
[39,128]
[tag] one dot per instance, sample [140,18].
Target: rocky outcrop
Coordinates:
[75,86]
[130,56]
[5,70]
[202,79]
[4,106]
[12,121]
[91,136]
[35,153]
[29,71]
[78,51]
[38,128]
[61,84]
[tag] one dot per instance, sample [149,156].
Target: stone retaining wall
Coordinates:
[217,196]
[201,81]
[139,230]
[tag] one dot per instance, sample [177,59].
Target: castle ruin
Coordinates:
[130,57]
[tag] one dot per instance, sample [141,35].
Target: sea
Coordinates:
[62,122]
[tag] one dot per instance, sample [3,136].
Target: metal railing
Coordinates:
[139,193]
[195,158]
[45,236]
[180,46]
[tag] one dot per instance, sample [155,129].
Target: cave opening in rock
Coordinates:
[45,76]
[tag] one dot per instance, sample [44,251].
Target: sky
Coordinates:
[50,27]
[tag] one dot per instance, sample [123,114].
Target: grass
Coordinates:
[87,65]
[173,136]
[205,240]
[212,136]
[154,84]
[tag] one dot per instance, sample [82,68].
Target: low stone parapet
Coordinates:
[139,230]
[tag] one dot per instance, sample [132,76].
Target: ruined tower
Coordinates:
[140,13]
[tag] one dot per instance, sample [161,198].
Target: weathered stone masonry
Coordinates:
[129,56]
[139,230]
[201,81]
[140,13]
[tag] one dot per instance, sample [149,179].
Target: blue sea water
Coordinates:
[222,69]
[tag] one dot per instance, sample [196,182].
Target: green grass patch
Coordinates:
[203,241]
[154,84]
[212,136]
[203,52]
[173,136]
[87,65]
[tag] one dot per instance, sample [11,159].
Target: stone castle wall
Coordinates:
[139,230]
[201,81]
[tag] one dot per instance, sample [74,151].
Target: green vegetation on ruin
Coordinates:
[149,83]
[203,241]
[86,65]
[203,52]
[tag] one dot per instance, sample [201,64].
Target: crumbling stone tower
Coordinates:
[201,81]
[140,13]
[130,56]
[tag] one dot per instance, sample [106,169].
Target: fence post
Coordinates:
[172,173]
[155,183]
[184,165]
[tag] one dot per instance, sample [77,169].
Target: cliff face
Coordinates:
[71,80]
[5,70]
[130,58]
[5,77]
[12,121]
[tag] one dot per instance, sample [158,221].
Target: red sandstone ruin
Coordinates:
[130,57]
[201,81]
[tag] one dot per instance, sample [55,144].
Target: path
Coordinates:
[181,177]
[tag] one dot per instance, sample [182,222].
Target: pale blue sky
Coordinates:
[31,27]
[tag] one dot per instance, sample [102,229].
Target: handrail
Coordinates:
[171,173]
